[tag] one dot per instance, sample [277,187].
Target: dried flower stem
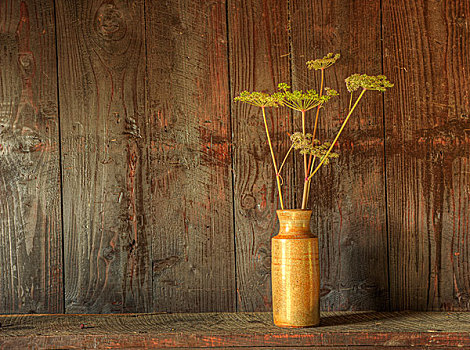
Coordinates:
[311,159]
[305,193]
[318,108]
[273,157]
[303,101]
[285,158]
[305,155]
[337,135]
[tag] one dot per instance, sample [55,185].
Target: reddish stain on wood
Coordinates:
[102,65]
[30,227]
[347,196]
[151,140]
[190,159]
[258,42]
[427,151]
[242,331]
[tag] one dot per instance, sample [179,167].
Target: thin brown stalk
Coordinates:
[311,159]
[305,193]
[273,158]
[337,135]
[285,158]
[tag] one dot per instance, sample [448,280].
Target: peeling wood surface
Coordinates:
[428,153]
[347,196]
[101,60]
[189,156]
[30,219]
[237,330]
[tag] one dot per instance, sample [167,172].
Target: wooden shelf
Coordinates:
[357,330]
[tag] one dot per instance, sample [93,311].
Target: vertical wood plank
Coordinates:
[259,56]
[190,156]
[426,45]
[101,53]
[30,219]
[347,196]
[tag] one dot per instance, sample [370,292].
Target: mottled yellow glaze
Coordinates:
[295,271]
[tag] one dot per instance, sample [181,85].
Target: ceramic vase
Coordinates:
[295,271]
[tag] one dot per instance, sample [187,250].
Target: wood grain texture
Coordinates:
[101,55]
[426,46]
[30,219]
[151,139]
[190,156]
[347,196]
[373,330]
[259,60]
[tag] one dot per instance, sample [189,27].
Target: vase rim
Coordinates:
[293,210]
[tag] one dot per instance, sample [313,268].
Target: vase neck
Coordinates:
[294,222]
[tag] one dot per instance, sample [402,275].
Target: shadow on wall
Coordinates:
[357,274]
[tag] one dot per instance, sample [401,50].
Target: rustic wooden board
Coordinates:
[426,46]
[259,60]
[237,330]
[30,203]
[101,56]
[190,156]
[347,196]
[150,220]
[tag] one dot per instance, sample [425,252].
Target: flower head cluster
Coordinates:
[368,82]
[330,92]
[306,145]
[323,63]
[300,100]
[259,99]
[321,151]
[303,142]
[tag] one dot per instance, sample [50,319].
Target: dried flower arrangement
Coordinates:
[314,152]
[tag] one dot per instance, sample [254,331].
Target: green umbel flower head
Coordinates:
[300,100]
[368,82]
[259,99]
[323,63]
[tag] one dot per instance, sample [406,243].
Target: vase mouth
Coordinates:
[294,214]
[293,210]
[294,222]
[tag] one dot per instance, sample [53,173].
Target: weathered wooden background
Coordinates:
[130,181]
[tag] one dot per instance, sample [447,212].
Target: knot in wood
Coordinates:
[248,202]
[26,63]
[109,253]
[110,23]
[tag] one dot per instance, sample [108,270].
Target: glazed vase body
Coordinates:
[295,271]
